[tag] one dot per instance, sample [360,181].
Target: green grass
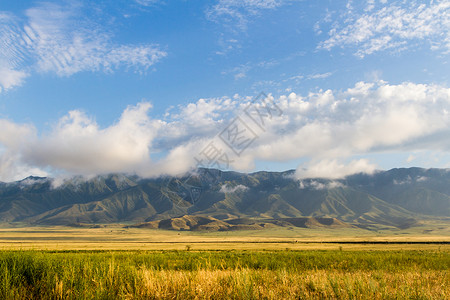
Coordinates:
[224,274]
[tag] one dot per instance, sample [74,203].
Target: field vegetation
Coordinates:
[190,274]
[117,237]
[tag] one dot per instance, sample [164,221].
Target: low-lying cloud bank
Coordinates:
[226,189]
[330,129]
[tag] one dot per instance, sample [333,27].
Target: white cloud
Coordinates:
[317,185]
[13,140]
[147,2]
[407,180]
[66,44]
[58,39]
[11,57]
[329,127]
[13,135]
[320,75]
[200,120]
[331,131]
[333,168]
[238,12]
[226,189]
[79,146]
[393,26]
[12,168]
[421,178]
[11,78]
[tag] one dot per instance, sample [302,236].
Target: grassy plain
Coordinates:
[113,262]
[224,274]
[117,237]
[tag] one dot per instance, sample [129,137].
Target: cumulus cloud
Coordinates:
[330,131]
[333,169]
[12,168]
[13,140]
[57,39]
[10,78]
[397,25]
[79,146]
[330,127]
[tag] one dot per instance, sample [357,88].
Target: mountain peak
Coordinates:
[387,198]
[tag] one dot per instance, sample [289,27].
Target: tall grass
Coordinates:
[224,274]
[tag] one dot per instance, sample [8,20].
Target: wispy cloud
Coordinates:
[319,75]
[238,12]
[240,71]
[243,70]
[395,26]
[58,39]
[147,2]
[330,130]
[234,16]
[12,55]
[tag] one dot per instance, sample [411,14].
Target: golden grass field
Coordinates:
[118,262]
[118,237]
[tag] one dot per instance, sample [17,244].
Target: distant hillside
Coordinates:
[221,200]
[198,223]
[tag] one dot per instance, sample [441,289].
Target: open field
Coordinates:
[130,263]
[116,237]
[224,274]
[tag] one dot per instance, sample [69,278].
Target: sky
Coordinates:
[153,87]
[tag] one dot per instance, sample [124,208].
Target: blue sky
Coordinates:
[145,86]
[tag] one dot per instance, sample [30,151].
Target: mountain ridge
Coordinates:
[398,198]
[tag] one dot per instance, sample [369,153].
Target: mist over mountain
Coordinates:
[217,200]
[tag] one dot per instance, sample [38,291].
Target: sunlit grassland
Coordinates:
[224,274]
[91,263]
[116,237]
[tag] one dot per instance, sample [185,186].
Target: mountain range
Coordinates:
[210,199]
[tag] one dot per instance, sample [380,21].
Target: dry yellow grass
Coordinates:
[264,284]
[115,237]
[224,274]
[359,271]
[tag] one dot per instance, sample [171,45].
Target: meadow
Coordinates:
[119,237]
[238,274]
[116,262]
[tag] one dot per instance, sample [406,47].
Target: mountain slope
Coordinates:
[398,197]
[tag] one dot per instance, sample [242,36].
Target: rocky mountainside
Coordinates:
[398,197]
